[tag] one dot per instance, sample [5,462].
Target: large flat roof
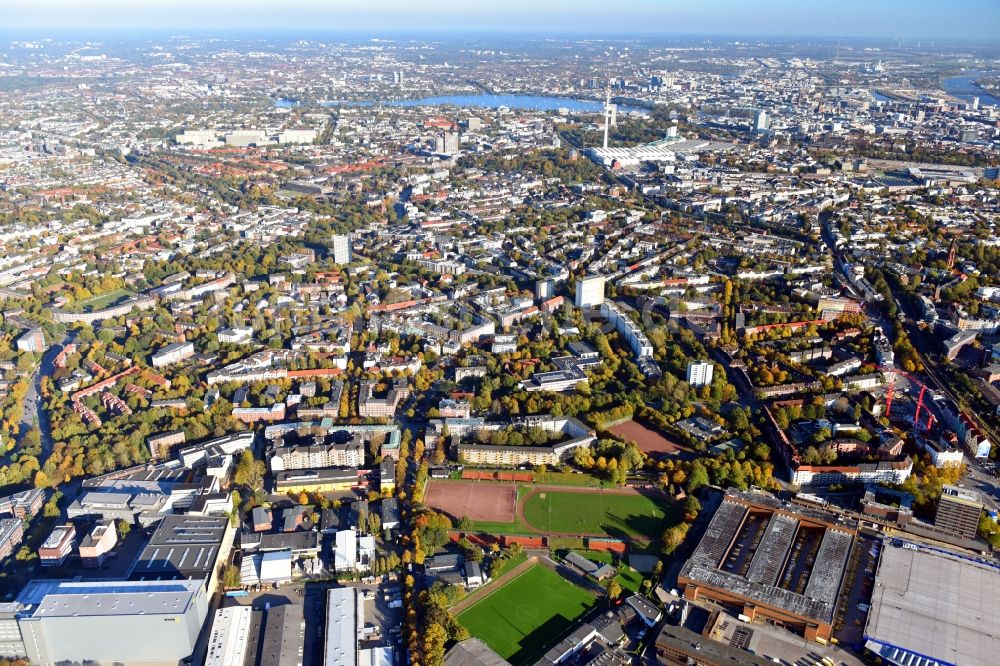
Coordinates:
[69,599]
[182,545]
[230,635]
[284,634]
[937,604]
[342,614]
[687,642]
[473,652]
[965,496]
[773,553]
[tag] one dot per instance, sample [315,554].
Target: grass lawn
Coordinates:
[527,615]
[566,543]
[570,479]
[503,566]
[104,300]
[627,577]
[598,513]
[491,527]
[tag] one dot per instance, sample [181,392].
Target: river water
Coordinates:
[965,88]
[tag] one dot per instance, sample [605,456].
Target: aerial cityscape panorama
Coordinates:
[499,334]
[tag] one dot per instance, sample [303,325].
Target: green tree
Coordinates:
[673,537]
[691,508]
[230,576]
[41,479]
[51,508]
[739,419]
[614,590]
[989,530]
[697,477]
[435,638]
[249,472]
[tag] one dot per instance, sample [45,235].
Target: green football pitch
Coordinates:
[597,513]
[527,615]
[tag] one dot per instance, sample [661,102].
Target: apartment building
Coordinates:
[32,341]
[825,475]
[97,543]
[342,249]
[958,511]
[172,353]
[57,546]
[11,533]
[319,455]
[589,292]
[384,407]
[159,444]
[23,504]
[700,373]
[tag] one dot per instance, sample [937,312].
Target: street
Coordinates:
[34,409]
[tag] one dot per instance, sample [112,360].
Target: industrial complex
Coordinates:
[771,562]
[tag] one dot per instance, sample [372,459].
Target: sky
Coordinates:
[903,19]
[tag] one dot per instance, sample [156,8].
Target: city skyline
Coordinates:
[894,19]
[632,333]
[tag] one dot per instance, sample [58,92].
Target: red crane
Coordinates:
[891,372]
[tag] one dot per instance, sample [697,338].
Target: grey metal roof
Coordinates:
[182,545]
[295,541]
[68,599]
[773,550]
[284,634]
[824,581]
[705,649]
[935,603]
[340,640]
[473,652]
[581,562]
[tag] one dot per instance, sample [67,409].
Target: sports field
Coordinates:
[527,615]
[649,440]
[596,513]
[479,501]
[105,300]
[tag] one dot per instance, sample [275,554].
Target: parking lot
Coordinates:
[860,577]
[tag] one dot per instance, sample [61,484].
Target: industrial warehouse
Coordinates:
[932,606]
[771,561]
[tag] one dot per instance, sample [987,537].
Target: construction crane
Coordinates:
[891,372]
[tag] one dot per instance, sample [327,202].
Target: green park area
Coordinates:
[105,300]
[597,513]
[527,615]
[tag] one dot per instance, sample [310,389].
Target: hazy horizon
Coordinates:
[967,20]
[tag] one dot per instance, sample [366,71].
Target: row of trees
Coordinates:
[674,535]
[610,459]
